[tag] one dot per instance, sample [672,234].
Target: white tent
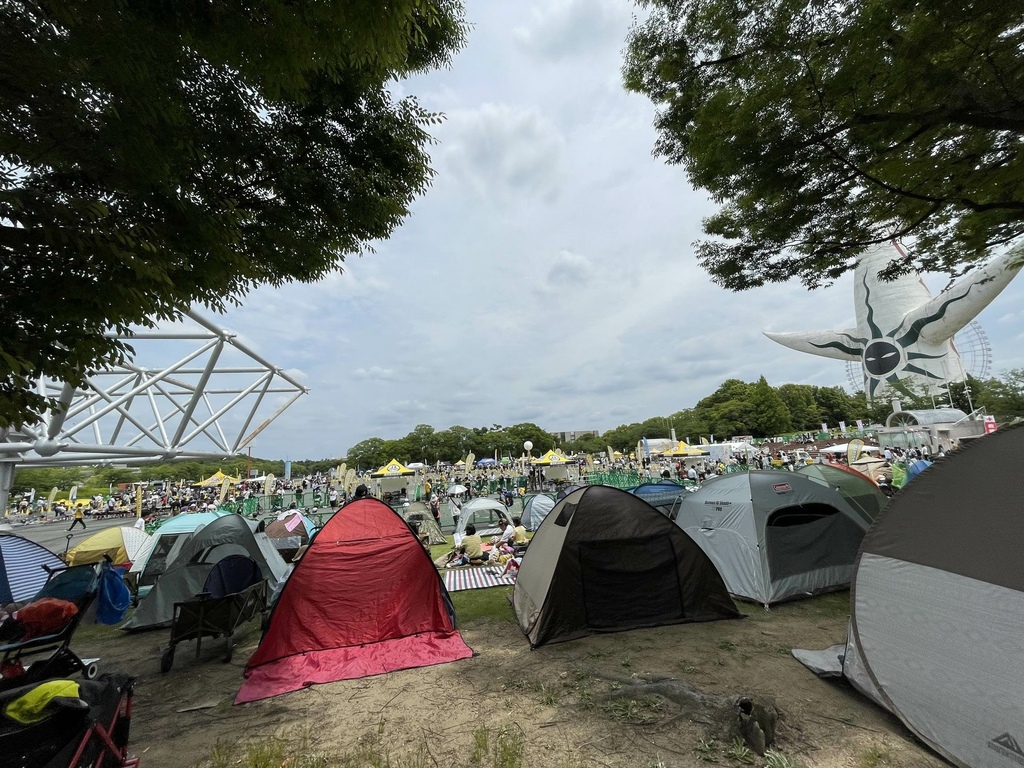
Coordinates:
[481,511]
[840,450]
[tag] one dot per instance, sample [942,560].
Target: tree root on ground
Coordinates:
[727,717]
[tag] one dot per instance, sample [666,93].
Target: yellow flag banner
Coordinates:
[138,501]
[225,484]
[854,450]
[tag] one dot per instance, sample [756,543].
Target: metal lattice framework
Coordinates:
[198,404]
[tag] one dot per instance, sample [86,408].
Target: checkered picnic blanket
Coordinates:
[477,577]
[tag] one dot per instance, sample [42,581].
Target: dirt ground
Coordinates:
[552,696]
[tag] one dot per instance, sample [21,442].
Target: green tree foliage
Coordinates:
[1004,398]
[689,425]
[835,405]
[45,479]
[769,414]
[821,128]
[624,437]
[803,410]
[158,155]
[368,454]
[727,410]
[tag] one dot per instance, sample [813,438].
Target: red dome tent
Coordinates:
[363,600]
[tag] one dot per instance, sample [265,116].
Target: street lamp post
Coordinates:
[528,446]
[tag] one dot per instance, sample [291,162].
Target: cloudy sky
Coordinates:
[548,275]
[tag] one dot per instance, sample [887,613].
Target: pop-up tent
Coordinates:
[857,488]
[535,508]
[365,599]
[604,560]
[121,545]
[185,577]
[481,511]
[774,535]
[422,519]
[290,531]
[163,546]
[22,572]
[937,620]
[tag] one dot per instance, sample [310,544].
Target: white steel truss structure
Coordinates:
[205,404]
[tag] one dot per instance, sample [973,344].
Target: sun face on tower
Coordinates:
[881,357]
[888,357]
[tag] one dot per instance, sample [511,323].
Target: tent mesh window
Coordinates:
[157,562]
[565,515]
[630,582]
[809,537]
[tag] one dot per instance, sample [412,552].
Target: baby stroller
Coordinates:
[89,731]
[77,584]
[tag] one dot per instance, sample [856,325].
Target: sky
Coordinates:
[548,275]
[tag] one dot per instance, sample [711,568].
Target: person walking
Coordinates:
[79,518]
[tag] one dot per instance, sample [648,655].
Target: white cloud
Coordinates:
[374,373]
[502,153]
[568,270]
[563,28]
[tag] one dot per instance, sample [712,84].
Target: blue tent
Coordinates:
[915,468]
[21,568]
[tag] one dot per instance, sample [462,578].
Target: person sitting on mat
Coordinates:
[472,545]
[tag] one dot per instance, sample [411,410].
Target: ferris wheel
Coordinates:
[971,343]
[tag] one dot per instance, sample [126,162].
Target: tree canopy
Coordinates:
[821,128]
[159,155]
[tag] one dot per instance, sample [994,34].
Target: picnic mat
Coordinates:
[477,577]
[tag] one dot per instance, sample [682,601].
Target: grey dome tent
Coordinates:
[484,513]
[856,487]
[604,560]
[937,606]
[774,535]
[535,509]
[186,575]
[419,513]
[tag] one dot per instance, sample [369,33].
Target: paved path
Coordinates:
[53,536]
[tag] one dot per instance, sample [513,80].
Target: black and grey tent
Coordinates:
[422,519]
[774,535]
[856,487]
[186,575]
[937,620]
[535,509]
[604,560]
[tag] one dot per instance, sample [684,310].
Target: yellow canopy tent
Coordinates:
[216,479]
[393,476]
[393,468]
[550,458]
[683,450]
[121,544]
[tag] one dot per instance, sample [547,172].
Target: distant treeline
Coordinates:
[735,408]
